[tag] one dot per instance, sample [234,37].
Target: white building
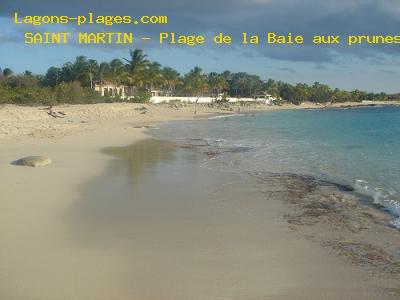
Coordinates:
[113,90]
[125,92]
[160,96]
[264,97]
[160,93]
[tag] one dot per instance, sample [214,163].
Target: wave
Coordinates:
[284,142]
[382,198]
[226,116]
[385,199]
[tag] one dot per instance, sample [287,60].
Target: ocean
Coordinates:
[355,147]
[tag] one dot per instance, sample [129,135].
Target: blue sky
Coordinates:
[372,68]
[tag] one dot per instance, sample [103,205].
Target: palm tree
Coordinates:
[137,60]
[227,75]
[102,72]
[171,78]
[93,67]
[195,82]
[271,87]
[136,66]
[299,93]
[153,75]
[321,93]
[239,84]
[217,83]
[254,84]
[116,68]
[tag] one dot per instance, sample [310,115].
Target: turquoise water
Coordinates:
[358,147]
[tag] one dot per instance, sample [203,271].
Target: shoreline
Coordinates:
[330,214]
[366,258]
[336,216]
[33,218]
[21,122]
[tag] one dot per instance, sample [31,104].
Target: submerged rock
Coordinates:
[33,161]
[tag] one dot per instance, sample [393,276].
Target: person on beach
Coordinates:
[54,114]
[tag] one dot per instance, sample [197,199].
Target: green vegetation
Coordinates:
[74,83]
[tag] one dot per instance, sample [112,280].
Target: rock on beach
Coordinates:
[33,161]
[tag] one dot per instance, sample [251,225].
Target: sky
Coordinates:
[371,68]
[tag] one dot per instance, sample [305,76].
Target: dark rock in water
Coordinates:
[339,186]
[212,153]
[328,214]
[310,182]
[33,161]
[238,149]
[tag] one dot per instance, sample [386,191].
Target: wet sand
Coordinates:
[38,260]
[147,222]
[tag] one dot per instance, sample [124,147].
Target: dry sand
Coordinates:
[252,255]
[20,122]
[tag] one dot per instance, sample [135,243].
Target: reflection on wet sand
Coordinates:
[143,156]
[170,229]
[151,181]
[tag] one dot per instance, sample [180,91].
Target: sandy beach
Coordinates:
[199,150]
[63,239]
[25,121]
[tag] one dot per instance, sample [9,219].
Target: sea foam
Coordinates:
[381,198]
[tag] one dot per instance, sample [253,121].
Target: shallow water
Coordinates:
[357,147]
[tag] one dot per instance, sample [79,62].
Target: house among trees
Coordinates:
[264,98]
[137,79]
[111,89]
[160,93]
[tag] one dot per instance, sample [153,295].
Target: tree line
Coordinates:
[74,82]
